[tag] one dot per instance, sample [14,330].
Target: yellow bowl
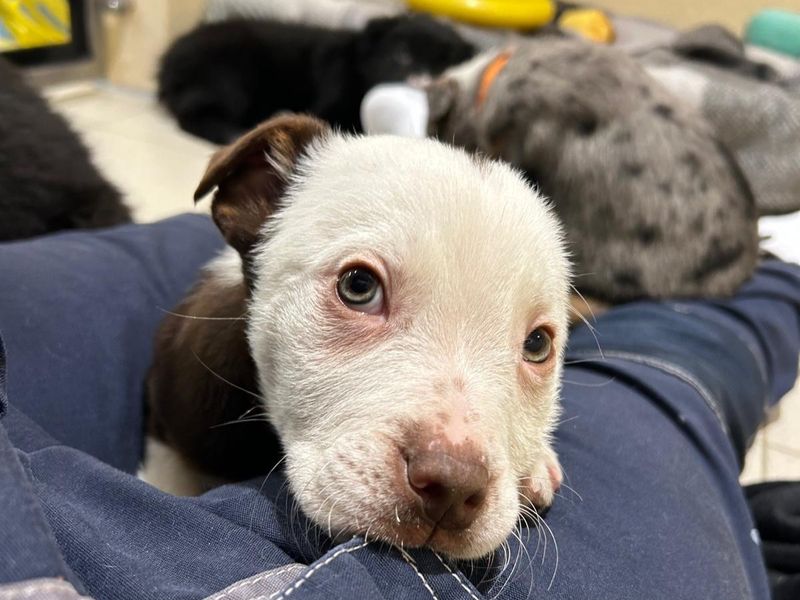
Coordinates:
[517,14]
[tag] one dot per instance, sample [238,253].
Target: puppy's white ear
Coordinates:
[252,173]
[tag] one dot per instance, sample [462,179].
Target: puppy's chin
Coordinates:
[457,544]
[363,491]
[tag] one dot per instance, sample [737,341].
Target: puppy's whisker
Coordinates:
[249,410]
[491,580]
[590,385]
[555,545]
[295,509]
[567,420]
[508,562]
[313,521]
[199,318]
[330,513]
[257,419]
[322,506]
[592,329]
[583,319]
[253,511]
[564,497]
[538,520]
[506,559]
[261,488]
[530,513]
[230,383]
[573,490]
[565,485]
[513,565]
[242,418]
[524,548]
[580,361]
[274,468]
[583,299]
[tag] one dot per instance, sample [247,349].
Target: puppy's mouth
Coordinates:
[430,498]
[405,529]
[419,533]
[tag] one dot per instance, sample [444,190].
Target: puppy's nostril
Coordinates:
[429,490]
[475,500]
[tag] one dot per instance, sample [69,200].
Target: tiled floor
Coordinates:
[158,166]
[138,147]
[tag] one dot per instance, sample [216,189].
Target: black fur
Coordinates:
[47,180]
[224,78]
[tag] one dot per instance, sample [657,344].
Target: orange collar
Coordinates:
[490,73]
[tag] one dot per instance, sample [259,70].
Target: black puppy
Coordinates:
[224,78]
[47,180]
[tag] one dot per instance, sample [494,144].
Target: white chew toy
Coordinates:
[395,108]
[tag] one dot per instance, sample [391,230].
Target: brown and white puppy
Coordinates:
[401,308]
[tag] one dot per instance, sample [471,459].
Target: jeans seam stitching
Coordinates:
[669,368]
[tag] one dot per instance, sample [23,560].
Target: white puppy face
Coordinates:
[408,318]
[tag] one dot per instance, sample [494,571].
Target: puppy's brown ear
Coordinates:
[252,173]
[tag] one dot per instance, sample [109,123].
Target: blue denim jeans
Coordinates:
[660,403]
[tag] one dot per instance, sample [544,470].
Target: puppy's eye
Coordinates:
[360,289]
[537,346]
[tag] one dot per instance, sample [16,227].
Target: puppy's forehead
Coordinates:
[424,204]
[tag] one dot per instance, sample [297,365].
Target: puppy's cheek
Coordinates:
[346,487]
[301,464]
[540,487]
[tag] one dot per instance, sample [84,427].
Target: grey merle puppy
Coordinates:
[652,204]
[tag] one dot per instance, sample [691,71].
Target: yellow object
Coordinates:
[517,14]
[34,23]
[589,23]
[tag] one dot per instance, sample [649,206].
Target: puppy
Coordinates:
[652,204]
[47,177]
[401,308]
[222,79]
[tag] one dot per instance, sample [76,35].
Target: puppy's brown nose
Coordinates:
[451,486]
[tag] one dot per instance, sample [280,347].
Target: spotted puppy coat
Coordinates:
[652,205]
[397,309]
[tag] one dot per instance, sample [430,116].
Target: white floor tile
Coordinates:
[155,126]
[754,463]
[139,148]
[786,429]
[783,236]
[781,465]
[158,181]
[101,107]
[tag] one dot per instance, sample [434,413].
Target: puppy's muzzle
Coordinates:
[449,483]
